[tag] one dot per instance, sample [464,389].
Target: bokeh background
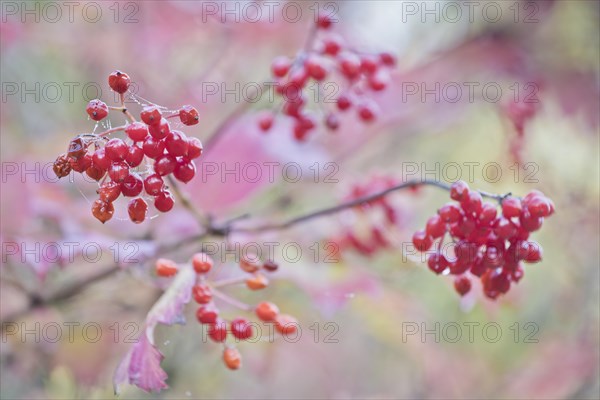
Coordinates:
[172,50]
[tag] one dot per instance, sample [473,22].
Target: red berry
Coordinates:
[119,81]
[538,207]
[465,252]
[62,166]
[153,184]
[529,222]
[137,131]
[137,209]
[132,185]
[207,314]
[379,81]
[95,173]
[459,190]
[194,148]
[151,115]
[517,274]
[435,227]
[511,207]
[286,324]
[116,149]
[266,311]
[97,110]
[437,262]
[218,331]
[270,266]
[160,130]
[189,115]
[462,284]
[332,122]
[344,102]
[118,171]
[184,171]
[102,210]
[315,67]
[368,64]
[504,228]
[232,358]
[422,241]
[495,281]
[241,328]
[163,202]
[450,213]
[367,111]
[488,214]
[153,148]
[202,263]
[202,294]
[109,191]
[280,66]
[82,163]
[135,156]
[387,59]
[349,64]
[530,252]
[100,160]
[265,121]
[176,144]
[77,148]
[165,164]
[472,203]
[165,267]
[332,45]
[323,20]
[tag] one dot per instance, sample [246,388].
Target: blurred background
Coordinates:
[358,315]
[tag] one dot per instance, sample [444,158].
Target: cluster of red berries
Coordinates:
[239,328]
[380,217]
[139,162]
[362,73]
[490,245]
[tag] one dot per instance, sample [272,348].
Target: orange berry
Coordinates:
[232,358]
[202,263]
[202,294]
[250,263]
[266,311]
[257,282]
[166,268]
[286,324]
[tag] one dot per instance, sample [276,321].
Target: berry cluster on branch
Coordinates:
[136,165]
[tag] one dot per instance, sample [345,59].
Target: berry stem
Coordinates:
[228,282]
[231,300]
[335,209]
[124,109]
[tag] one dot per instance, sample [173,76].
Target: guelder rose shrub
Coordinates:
[145,159]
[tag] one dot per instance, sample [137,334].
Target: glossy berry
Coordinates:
[281,66]
[118,171]
[422,241]
[119,81]
[435,227]
[95,173]
[163,202]
[472,203]
[202,294]
[194,148]
[270,266]
[165,165]
[450,213]
[153,184]
[250,263]
[286,324]
[135,156]
[97,110]
[137,209]
[257,282]
[511,207]
[202,263]
[82,163]
[241,328]
[153,148]
[116,149]
[151,115]
[137,131]
[529,222]
[459,190]
[132,185]
[218,331]
[184,171]
[99,159]
[462,285]
[102,210]
[176,144]
[437,262]
[188,115]
[207,314]
[266,311]
[161,130]
[109,191]
[232,358]
[165,267]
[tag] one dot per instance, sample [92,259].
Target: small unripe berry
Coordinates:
[119,81]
